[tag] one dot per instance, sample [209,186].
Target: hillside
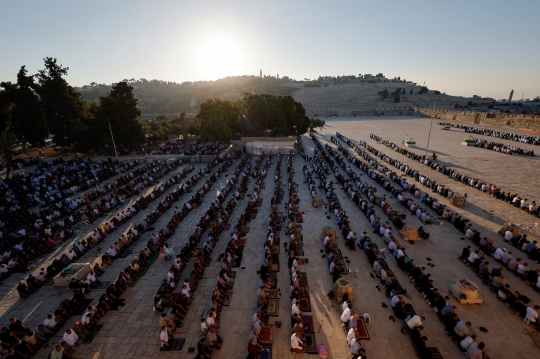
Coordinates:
[318,96]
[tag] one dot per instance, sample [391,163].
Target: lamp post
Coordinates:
[110,128]
[430,126]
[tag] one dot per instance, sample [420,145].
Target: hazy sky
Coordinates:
[462,47]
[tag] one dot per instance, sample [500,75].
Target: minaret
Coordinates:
[260,73]
[511,95]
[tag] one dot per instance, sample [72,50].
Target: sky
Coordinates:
[460,47]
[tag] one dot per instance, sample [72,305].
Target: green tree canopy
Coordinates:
[218,120]
[62,104]
[277,115]
[119,107]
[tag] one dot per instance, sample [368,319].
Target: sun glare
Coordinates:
[220,55]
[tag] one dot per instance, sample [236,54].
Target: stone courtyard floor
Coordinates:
[132,331]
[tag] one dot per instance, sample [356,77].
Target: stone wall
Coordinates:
[321,113]
[506,120]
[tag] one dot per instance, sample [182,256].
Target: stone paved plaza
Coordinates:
[132,331]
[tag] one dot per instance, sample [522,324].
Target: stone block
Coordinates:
[330,232]
[509,227]
[343,286]
[457,200]
[410,233]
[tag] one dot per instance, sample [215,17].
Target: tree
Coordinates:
[403,92]
[8,143]
[218,120]
[119,108]
[437,92]
[410,93]
[316,122]
[62,104]
[28,120]
[280,115]
[423,90]
[383,94]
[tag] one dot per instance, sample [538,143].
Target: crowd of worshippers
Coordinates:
[18,258]
[31,241]
[173,318]
[423,283]
[110,299]
[260,317]
[18,162]
[20,342]
[194,148]
[211,339]
[501,147]
[462,224]
[336,266]
[516,137]
[495,278]
[494,190]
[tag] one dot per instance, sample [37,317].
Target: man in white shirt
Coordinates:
[71,338]
[346,315]
[415,321]
[508,236]
[462,329]
[532,314]
[351,335]
[296,344]
[164,337]
[466,343]
[475,350]
[498,255]
[355,347]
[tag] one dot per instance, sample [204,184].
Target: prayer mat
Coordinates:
[230,286]
[275,258]
[153,259]
[300,261]
[305,304]
[311,344]
[259,200]
[228,226]
[255,211]
[266,351]
[301,244]
[273,307]
[362,329]
[278,228]
[304,290]
[275,267]
[175,345]
[227,299]
[276,249]
[238,260]
[135,281]
[233,274]
[197,252]
[172,299]
[302,277]
[245,230]
[434,353]
[300,253]
[308,324]
[298,226]
[299,220]
[272,293]
[253,216]
[277,240]
[242,235]
[103,285]
[266,334]
[95,330]
[83,307]
[259,204]
[273,283]
[125,253]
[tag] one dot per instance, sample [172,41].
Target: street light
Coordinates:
[110,128]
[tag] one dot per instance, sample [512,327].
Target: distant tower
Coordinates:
[260,74]
[511,94]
